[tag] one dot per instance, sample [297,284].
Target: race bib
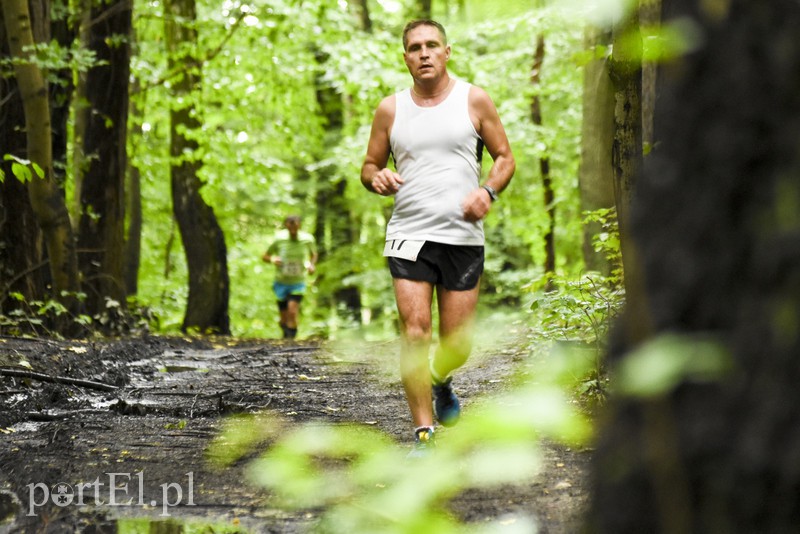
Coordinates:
[402,248]
[292,268]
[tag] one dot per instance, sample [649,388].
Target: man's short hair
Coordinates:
[423,22]
[292,218]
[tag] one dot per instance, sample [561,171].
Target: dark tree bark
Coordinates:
[133,241]
[626,74]
[544,170]
[625,69]
[102,222]
[133,189]
[716,218]
[203,240]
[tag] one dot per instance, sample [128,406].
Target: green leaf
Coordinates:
[22,172]
[38,170]
[663,363]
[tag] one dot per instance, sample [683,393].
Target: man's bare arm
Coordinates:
[488,125]
[494,139]
[375,176]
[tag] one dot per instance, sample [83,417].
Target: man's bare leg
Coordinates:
[292,312]
[456,324]
[414,299]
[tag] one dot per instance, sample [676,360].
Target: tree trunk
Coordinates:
[335,229]
[650,13]
[203,241]
[596,176]
[419,9]
[626,157]
[344,235]
[102,223]
[47,199]
[21,254]
[133,241]
[60,98]
[363,12]
[544,170]
[133,205]
[81,115]
[424,8]
[714,447]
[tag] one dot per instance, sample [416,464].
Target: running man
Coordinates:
[435,132]
[294,253]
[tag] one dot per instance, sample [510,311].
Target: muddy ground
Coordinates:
[170,397]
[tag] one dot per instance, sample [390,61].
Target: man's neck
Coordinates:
[432,90]
[432,97]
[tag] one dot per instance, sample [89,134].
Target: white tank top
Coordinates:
[437,152]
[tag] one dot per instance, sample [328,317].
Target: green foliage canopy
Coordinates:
[267,147]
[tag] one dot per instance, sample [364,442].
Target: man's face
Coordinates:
[293,225]
[426,56]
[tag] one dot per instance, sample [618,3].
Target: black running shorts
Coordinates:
[456,267]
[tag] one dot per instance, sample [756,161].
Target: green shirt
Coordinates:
[294,253]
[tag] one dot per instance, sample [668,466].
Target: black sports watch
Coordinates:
[492,193]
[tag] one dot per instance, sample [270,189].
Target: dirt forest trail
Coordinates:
[152,434]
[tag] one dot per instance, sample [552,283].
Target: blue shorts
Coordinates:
[285,292]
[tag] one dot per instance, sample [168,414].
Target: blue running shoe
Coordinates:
[424,443]
[445,403]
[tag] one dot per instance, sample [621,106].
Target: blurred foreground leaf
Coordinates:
[660,365]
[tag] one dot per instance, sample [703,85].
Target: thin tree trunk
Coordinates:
[81,115]
[596,177]
[203,240]
[419,9]
[650,17]
[333,210]
[424,7]
[363,12]
[133,241]
[20,234]
[133,207]
[626,74]
[101,236]
[544,170]
[47,199]
[60,98]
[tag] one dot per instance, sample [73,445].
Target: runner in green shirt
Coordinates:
[294,254]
